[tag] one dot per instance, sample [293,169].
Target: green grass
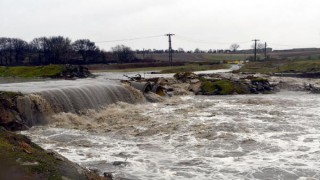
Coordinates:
[31,71]
[222,57]
[13,152]
[195,67]
[189,67]
[282,66]
[135,69]
[222,87]
[196,57]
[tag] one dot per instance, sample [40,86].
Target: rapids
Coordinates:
[275,136]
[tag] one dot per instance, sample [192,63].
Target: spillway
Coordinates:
[42,99]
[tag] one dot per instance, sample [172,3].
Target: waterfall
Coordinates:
[35,107]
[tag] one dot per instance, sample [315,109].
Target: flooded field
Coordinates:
[274,136]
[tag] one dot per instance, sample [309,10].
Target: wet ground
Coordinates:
[274,136]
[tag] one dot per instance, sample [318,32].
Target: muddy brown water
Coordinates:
[274,136]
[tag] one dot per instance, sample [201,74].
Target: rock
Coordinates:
[195,87]
[75,71]
[185,76]
[108,175]
[10,117]
[162,82]
[120,163]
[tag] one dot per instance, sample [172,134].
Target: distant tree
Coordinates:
[260,46]
[197,50]
[6,50]
[59,49]
[85,48]
[40,46]
[180,50]
[19,47]
[123,54]
[234,47]
[3,51]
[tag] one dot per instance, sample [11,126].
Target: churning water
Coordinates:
[274,136]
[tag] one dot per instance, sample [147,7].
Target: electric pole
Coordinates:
[265,50]
[255,49]
[170,48]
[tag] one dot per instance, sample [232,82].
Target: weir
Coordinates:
[35,106]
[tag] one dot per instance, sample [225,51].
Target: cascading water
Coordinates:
[273,136]
[88,97]
[50,97]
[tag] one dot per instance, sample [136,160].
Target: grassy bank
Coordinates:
[22,159]
[282,66]
[31,71]
[187,67]
[195,67]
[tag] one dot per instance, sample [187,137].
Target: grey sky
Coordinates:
[204,24]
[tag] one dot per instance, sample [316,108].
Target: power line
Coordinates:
[129,39]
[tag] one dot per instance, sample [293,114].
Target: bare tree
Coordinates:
[85,48]
[40,47]
[19,48]
[58,49]
[123,53]
[234,47]
[181,50]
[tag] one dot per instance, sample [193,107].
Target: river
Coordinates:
[271,136]
[274,136]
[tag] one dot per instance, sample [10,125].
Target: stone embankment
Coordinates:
[73,71]
[204,84]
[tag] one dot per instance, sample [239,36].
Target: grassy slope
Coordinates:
[196,57]
[282,66]
[169,69]
[195,67]
[22,159]
[31,71]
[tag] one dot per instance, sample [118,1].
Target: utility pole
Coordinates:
[255,49]
[170,49]
[143,54]
[265,50]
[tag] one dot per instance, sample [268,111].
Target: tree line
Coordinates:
[58,50]
[61,50]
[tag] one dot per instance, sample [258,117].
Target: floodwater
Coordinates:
[26,86]
[274,136]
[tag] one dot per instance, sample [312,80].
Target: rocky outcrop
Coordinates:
[188,83]
[74,71]
[217,84]
[10,117]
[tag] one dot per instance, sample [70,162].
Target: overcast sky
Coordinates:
[204,24]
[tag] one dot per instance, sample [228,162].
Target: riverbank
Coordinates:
[22,159]
[103,120]
[49,71]
[294,68]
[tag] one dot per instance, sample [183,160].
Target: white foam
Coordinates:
[273,136]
